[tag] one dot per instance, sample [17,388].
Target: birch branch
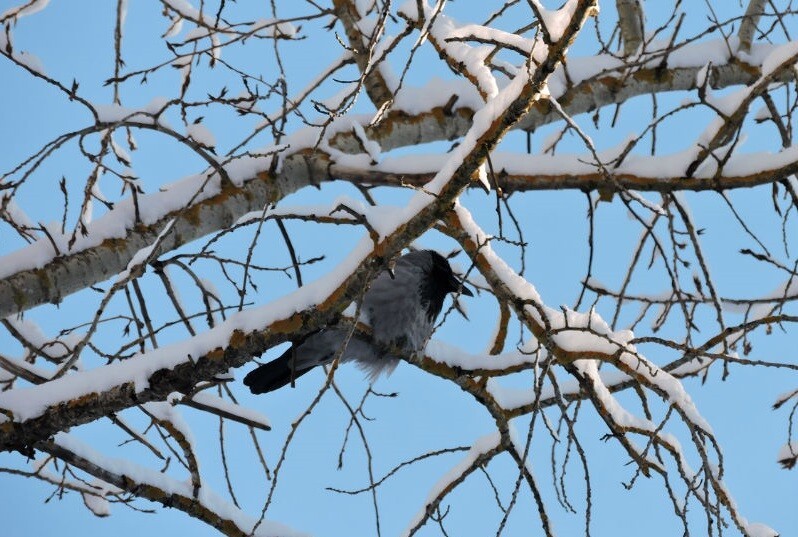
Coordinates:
[630,19]
[748,27]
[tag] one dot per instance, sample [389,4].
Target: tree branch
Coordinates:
[157,487]
[630,19]
[748,27]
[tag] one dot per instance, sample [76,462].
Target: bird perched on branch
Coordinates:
[400,308]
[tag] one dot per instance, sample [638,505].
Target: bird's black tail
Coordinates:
[273,375]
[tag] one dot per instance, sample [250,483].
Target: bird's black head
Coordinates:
[441,281]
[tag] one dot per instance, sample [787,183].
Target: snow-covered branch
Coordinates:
[157,487]
[615,199]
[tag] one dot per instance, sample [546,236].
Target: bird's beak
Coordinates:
[458,285]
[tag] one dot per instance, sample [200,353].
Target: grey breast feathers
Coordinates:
[393,306]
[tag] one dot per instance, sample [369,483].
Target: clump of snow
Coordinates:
[480,447]
[93,491]
[141,256]
[515,283]
[482,176]
[116,113]
[470,58]
[512,398]
[669,384]
[701,75]
[121,154]
[196,34]
[456,357]
[370,146]
[26,59]
[435,93]
[13,210]
[31,402]
[728,103]
[187,11]
[31,61]
[182,61]
[757,529]
[167,412]
[788,452]
[146,476]
[620,415]
[781,54]
[201,134]
[762,114]
[96,504]
[555,22]
[57,348]
[208,399]
[27,8]
[487,34]
[117,222]
[336,100]
[409,10]
[273,28]
[175,27]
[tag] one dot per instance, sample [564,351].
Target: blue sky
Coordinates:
[428,413]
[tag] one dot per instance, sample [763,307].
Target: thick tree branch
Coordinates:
[82,268]
[748,27]
[153,490]
[363,53]
[630,19]
[538,176]
[87,266]
[184,372]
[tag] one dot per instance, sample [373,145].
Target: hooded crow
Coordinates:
[401,310]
